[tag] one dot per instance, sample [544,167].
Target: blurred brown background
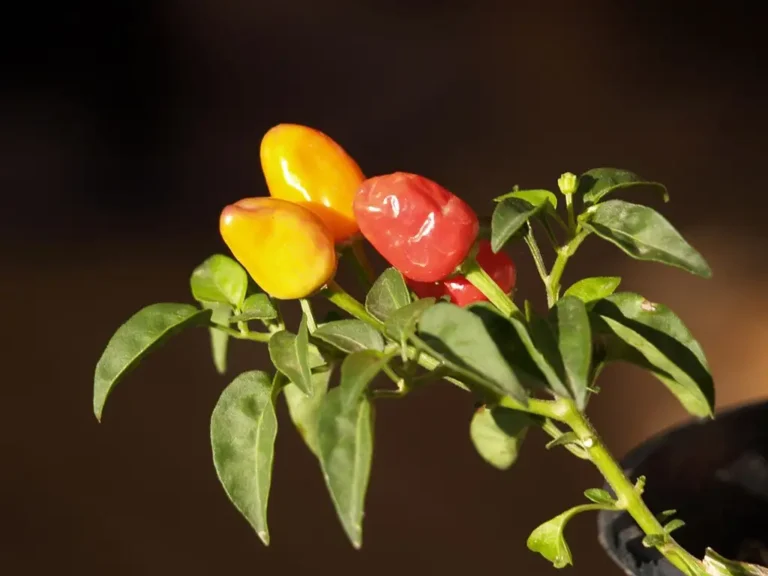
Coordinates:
[126,126]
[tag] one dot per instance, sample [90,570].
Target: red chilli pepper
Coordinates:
[418,226]
[499,266]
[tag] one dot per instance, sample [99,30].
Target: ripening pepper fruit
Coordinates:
[286,249]
[304,166]
[499,266]
[418,226]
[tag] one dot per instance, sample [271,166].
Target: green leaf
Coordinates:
[350,336]
[673,525]
[654,540]
[219,279]
[140,335]
[257,306]
[531,361]
[600,496]
[464,338]
[389,293]
[549,541]
[665,514]
[563,440]
[290,355]
[221,314]
[243,431]
[536,197]
[497,434]
[304,410]
[590,289]
[596,183]
[357,371]
[570,321]
[402,323]
[651,336]
[508,218]
[644,234]
[716,565]
[345,440]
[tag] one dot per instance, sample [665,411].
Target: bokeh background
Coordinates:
[126,126]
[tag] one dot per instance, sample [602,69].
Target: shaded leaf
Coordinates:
[563,440]
[497,434]
[290,355]
[345,440]
[219,279]
[257,306]
[464,338]
[590,289]
[140,335]
[651,336]
[508,218]
[596,183]
[350,336]
[571,325]
[243,431]
[644,234]
[304,410]
[401,325]
[388,294]
[535,197]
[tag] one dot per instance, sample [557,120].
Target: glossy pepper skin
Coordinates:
[286,249]
[499,266]
[304,166]
[418,226]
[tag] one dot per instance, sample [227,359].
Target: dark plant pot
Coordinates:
[715,473]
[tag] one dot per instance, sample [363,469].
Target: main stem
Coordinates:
[629,498]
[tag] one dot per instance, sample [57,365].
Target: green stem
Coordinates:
[552,282]
[628,496]
[364,269]
[530,240]
[349,304]
[253,336]
[306,307]
[480,279]
[571,214]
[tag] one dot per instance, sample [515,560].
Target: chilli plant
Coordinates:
[443,312]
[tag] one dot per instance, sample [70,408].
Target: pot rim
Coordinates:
[642,451]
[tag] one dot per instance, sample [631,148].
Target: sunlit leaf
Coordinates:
[590,289]
[388,294]
[350,335]
[290,355]
[644,234]
[219,279]
[243,431]
[345,440]
[497,434]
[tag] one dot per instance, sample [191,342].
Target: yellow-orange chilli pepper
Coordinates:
[286,249]
[304,166]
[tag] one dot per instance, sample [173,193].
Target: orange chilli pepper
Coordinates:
[304,166]
[286,249]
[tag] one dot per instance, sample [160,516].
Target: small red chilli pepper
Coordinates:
[418,226]
[499,266]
